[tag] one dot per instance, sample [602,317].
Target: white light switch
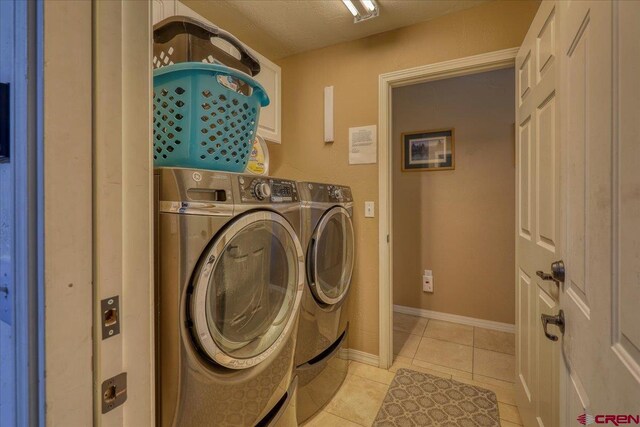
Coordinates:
[369,210]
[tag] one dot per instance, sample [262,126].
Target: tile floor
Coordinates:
[467,354]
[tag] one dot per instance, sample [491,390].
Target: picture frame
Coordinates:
[430,150]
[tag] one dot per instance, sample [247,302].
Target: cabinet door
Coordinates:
[269,126]
[162,9]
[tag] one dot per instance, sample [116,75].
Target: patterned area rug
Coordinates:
[417,399]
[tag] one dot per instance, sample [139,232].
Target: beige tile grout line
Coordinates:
[343,418]
[473,352]
[473,344]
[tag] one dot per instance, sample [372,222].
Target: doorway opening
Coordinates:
[453,209]
[390,87]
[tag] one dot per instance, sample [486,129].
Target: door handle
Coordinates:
[557,320]
[557,273]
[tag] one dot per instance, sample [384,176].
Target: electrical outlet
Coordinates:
[427,283]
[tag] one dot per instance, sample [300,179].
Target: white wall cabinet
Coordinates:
[269,126]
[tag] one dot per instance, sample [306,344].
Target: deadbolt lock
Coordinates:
[557,273]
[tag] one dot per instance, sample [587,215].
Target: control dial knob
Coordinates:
[262,190]
[336,193]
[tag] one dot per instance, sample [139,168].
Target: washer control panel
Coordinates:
[267,190]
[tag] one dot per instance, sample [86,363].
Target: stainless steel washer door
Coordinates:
[331,256]
[247,292]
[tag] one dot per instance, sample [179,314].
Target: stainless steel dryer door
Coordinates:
[247,291]
[331,255]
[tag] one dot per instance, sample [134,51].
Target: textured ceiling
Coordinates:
[279,28]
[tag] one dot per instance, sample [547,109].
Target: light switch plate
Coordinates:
[369,210]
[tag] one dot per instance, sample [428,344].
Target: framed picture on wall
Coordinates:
[431,150]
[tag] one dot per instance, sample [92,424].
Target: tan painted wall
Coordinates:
[353,68]
[458,223]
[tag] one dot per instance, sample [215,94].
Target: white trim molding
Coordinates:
[386,82]
[455,318]
[359,356]
[122,197]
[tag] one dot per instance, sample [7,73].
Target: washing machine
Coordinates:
[230,278]
[328,241]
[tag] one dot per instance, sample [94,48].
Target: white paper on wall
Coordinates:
[362,145]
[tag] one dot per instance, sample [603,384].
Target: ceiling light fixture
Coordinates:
[351,7]
[368,4]
[367,10]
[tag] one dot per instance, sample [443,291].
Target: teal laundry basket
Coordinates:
[204,116]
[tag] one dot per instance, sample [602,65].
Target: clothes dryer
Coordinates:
[328,240]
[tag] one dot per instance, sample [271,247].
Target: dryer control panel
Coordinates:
[325,193]
[339,194]
[267,190]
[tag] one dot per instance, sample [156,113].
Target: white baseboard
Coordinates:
[471,321]
[359,356]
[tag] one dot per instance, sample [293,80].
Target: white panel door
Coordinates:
[599,44]
[538,237]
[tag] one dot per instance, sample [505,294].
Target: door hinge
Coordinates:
[387,238]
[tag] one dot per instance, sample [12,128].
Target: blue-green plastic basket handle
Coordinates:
[216,70]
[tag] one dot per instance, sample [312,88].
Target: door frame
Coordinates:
[489,61]
[98,208]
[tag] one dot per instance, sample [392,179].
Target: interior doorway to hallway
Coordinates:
[458,226]
[453,211]
[389,141]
